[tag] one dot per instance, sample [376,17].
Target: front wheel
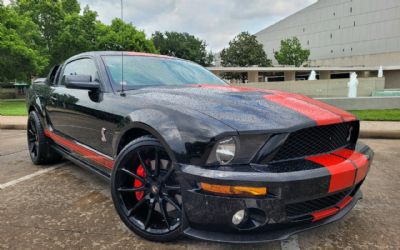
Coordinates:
[145,191]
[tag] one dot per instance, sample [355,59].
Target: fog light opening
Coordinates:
[238,217]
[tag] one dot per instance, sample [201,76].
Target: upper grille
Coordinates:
[304,208]
[317,140]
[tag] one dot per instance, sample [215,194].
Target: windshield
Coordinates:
[142,71]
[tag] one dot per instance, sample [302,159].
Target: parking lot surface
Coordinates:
[64,206]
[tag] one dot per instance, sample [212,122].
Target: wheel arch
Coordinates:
[137,129]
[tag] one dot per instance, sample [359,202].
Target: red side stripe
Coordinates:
[342,171]
[360,160]
[344,202]
[324,213]
[319,115]
[87,153]
[346,116]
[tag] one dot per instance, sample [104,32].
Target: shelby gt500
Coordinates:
[187,154]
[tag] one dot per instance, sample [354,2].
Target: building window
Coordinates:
[304,29]
[339,26]
[331,35]
[331,51]
[308,42]
[351,49]
[354,23]
[343,49]
[351,9]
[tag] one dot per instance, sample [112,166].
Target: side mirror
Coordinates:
[80,82]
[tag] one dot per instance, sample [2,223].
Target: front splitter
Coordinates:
[273,235]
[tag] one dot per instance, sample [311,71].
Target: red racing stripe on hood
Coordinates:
[316,113]
[360,160]
[342,171]
[346,116]
[228,88]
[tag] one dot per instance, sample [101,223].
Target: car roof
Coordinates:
[119,53]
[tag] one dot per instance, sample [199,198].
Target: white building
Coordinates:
[342,33]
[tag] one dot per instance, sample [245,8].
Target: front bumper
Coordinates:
[296,200]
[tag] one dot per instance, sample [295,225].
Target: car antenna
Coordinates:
[122,54]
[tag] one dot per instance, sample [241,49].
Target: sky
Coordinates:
[215,21]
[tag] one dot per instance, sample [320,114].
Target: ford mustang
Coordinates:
[187,154]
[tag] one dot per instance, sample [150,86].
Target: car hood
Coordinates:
[247,109]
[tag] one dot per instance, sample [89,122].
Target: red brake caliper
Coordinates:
[139,171]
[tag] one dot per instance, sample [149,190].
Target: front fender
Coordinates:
[185,135]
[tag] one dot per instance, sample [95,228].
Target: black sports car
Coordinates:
[189,155]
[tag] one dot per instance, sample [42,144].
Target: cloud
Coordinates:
[215,21]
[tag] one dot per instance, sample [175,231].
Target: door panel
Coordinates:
[76,114]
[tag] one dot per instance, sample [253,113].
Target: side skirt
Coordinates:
[81,163]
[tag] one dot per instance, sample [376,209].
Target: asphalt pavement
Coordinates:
[63,206]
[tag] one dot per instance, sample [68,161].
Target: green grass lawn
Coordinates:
[17,107]
[377,115]
[12,107]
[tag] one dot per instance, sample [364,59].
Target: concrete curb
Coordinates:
[13,126]
[375,134]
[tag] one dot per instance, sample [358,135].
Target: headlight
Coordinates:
[225,150]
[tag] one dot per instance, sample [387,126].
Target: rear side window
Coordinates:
[84,66]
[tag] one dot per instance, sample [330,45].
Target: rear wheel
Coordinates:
[38,144]
[145,191]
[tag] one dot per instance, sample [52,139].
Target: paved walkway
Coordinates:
[379,130]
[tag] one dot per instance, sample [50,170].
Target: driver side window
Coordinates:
[83,66]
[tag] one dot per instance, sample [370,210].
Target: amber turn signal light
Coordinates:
[233,190]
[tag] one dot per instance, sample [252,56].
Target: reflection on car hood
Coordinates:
[247,109]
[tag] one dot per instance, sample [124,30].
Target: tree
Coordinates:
[20,46]
[183,45]
[291,53]
[122,36]
[244,51]
[78,35]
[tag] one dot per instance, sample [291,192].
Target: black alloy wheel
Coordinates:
[33,139]
[39,145]
[145,191]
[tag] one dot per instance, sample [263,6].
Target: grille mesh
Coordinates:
[315,140]
[303,208]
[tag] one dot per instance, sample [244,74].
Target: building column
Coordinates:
[290,75]
[363,74]
[323,75]
[252,76]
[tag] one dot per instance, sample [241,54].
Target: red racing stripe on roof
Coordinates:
[360,160]
[342,171]
[85,152]
[316,113]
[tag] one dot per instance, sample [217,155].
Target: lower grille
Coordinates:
[304,208]
[317,140]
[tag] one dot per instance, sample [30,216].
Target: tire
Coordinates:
[140,185]
[39,146]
